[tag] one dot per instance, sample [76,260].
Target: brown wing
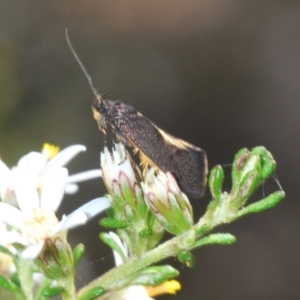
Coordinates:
[186,162]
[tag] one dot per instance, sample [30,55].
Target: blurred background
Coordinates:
[222,75]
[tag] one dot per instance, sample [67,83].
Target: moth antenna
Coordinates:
[88,77]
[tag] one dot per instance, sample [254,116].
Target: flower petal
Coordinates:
[64,156]
[32,251]
[94,207]
[53,188]
[5,180]
[82,176]
[26,193]
[10,237]
[84,213]
[118,259]
[107,166]
[114,164]
[133,292]
[32,164]
[4,171]
[71,188]
[71,221]
[10,215]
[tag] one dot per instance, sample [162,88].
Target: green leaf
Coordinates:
[204,228]
[110,211]
[52,291]
[108,240]
[145,233]
[112,223]
[154,275]
[8,285]
[264,204]
[77,254]
[215,182]
[247,187]
[6,251]
[239,162]
[15,279]
[252,164]
[55,258]
[216,238]
[44,290]
[157,231]
[267,161]
[187,257]
[244,163]
[92,293]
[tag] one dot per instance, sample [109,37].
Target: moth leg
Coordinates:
[104,134]
[146,162]
[105,140]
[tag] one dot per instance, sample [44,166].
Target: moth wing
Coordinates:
[186,162]
[189,166]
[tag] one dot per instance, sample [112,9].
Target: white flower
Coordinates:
[41,176]
[117,163]
[31,226]
[122,179]
[32,192]
[165,199]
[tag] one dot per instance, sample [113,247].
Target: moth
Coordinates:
[157,148]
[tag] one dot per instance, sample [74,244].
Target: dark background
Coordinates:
[220,74]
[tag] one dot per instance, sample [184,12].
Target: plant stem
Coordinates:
[25,276]
[117,277]
[69,290]
[114,279]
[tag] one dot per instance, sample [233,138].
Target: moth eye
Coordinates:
[101,109]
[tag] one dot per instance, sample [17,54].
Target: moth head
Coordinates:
[100,113]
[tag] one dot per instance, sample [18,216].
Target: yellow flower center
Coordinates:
[168,287]
[50,150]
[39,224]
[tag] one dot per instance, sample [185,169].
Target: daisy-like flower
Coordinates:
[42,172]
[33,223]
[32,192]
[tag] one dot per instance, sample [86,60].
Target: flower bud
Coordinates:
[56,258]
[122,178]
[168,203]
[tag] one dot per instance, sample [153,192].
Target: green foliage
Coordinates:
[250,169]
[142,211]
